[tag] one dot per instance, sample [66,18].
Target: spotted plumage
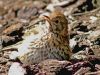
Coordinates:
[53,45]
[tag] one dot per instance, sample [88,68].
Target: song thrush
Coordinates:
[53,45]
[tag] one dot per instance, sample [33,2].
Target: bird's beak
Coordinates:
[47,18]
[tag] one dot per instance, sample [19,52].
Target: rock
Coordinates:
[16,69]
[72,43]
[93,19]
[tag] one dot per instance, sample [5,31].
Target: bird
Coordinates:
[53,45]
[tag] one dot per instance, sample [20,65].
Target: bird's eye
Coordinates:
[56,21]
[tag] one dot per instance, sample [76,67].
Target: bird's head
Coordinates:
[58,23]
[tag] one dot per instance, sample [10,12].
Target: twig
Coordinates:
[82,71]
[63,3]
[87,12]
[93,73]
[11,48]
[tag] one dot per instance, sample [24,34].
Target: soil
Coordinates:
[18,16]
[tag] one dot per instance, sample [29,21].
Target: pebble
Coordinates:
[72,43]
[1,26]
[13,55]
[16,69]
[93,19]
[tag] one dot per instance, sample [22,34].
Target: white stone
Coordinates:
[50,7]
[0,25]
[13,55]
[93,19]
[72,43]
[16,69]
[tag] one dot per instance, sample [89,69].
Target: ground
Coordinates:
[17,17]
